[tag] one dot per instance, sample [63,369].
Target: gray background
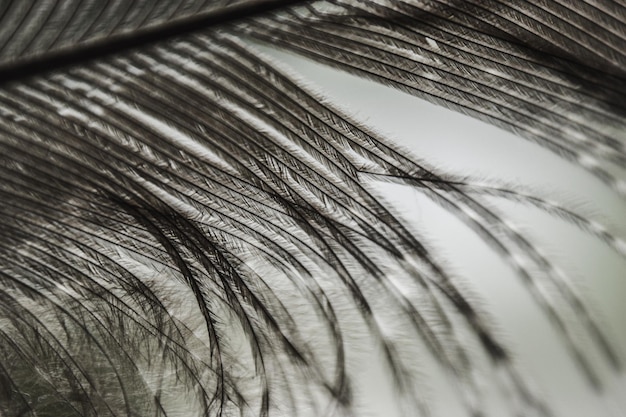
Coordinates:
[462,145]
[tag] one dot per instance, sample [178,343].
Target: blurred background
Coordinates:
[457,144]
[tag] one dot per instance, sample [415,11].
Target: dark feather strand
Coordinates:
[185,227]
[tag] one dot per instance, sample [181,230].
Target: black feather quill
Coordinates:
[186,230]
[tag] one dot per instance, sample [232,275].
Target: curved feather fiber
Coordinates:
[56,31]
[186,230]
[552,72]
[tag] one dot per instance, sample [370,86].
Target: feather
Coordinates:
[187,230]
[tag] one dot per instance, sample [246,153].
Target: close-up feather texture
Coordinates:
[190,229]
